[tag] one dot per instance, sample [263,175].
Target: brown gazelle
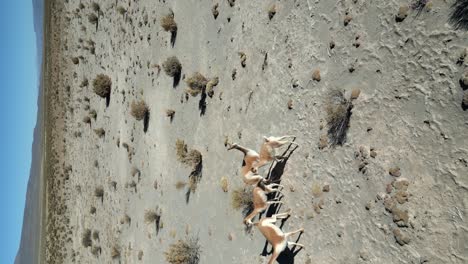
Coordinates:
[260,200]
[267,150]
[275,236]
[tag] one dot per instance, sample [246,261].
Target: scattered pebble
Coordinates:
[395,172]
[401,238]
[347,19]
[355,93]
[316,75]
[326,187]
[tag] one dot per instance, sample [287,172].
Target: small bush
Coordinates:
[87,120]
[184,252]
[96,250]
[168,23]
[172,66]
[181,150]
[170,113]
[95,7]
[180,184]
[224,184]
[115,252]
[459,15]
[99,192]
[125,219]
[272,11]
[210,86]
[214,10]
[121,10]
[93,114]
[196,83]
[139,110]
[86,238]
[338,117]
[93,19]
[100,132]
[151,216]
[102,85]
[242,198]
[96,235]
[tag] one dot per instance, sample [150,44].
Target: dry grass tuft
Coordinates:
[86,238]
[224,184]
[172,66]
[102,85]
[121,10]
[338,116]
[139,110]
[196,83]
[242,198]
[272,11]
[115,252]
[168,23]
[151,216]
[95,6]
[93,19]
[99,192]
[210,85]
[100,132]
[193,159]
[170,113]
[125,219]
[214,10]
[180,185]
[184,252]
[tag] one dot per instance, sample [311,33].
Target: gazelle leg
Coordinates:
[274,202]
[293,232]
[282,215]
[239,147]
[295,244]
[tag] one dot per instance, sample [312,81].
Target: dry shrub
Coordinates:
[96,250]
[102,85]
[93,114]
[96,235]
[99,192]
[75,60]
[224,184]
[242,198]
[184,252]
[231,2]
[87,120]
[172,66]
[100,132]
[125,219]
[210,86]
[170,113]
[93,19]
[168,23]
[214,10]
[180,184]
[95,6]
[316,189]
[459,15]
[181,150]
[115,252]
[193,159]
[151,216]
[86,238]
[338,117]
[139,110]
[272,11]
[121,10]
[196,83]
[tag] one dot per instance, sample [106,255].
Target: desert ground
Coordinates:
[137,160]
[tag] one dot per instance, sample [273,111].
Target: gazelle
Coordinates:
[275,236]
[260,200]
[250,176]
[267,150]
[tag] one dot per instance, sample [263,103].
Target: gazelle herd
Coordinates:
[251,163]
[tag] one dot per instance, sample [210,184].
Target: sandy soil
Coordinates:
[407,116]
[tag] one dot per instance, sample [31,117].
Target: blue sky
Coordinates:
[19,90]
